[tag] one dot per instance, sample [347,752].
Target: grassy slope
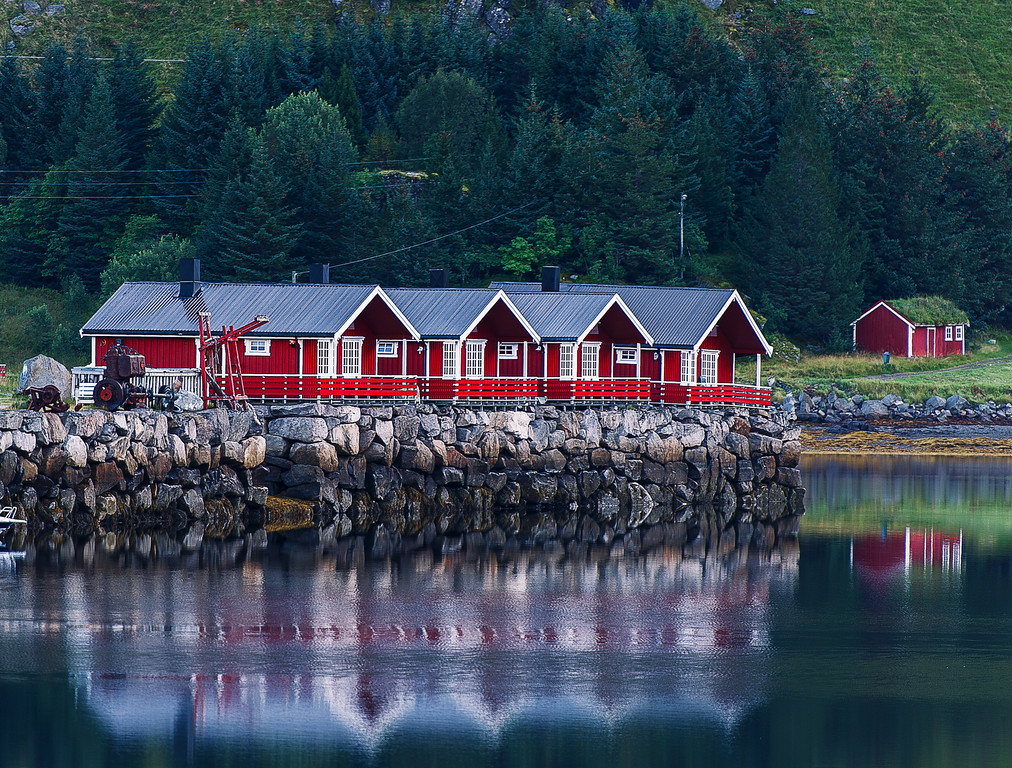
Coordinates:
[18,339]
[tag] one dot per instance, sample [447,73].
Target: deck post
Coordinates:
[758,369]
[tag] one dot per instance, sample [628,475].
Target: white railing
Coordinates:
[86,376]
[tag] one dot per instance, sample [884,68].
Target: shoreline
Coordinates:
[885,437]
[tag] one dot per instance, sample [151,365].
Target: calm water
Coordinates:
[882,637]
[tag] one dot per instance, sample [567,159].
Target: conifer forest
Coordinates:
[386,148]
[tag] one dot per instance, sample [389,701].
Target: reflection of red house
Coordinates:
[878,557]
[917,327]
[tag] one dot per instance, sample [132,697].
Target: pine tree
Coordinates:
[17,114]
[135,103]
[81,75]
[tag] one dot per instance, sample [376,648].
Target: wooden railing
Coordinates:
[611,390]
[714,394]
[480,389]
[368,388]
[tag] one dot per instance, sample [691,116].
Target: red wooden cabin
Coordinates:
[923,326]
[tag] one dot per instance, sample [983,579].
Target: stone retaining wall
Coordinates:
[411,473]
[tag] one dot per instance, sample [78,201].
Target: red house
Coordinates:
[923,326]
[517,342]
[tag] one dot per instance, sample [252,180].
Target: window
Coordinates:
[386,349]
[948,333]
[474,359]
[507,351]
[959,333]
[708,366]
[258,347]
[625,356]
[323,360]
[688,367]
[567,361]
[450,359]
[351,357]
[590,361]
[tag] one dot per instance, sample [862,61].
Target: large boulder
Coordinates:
[41,371]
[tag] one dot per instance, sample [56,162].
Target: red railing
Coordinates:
[714,394]
[611,389]
[368,388]
[480,389]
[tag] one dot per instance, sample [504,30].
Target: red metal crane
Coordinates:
[232,392]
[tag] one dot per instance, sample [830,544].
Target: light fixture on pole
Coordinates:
[681,242]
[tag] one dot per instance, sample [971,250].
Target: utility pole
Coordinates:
[681,243]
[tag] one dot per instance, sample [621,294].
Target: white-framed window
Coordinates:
[625,356]
[450,360]
[386,348]
[959,333]
[590,361]
[708,366]
[324,357]
[508,350]
[351,356]
[474,359]
[948,333]
[688,372]
[567,361]
[258,347]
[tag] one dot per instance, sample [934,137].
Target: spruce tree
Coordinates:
[17,114]
[135,102]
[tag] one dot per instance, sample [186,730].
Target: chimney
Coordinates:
[189,278]
[550,279]
[319,273]
[439,278]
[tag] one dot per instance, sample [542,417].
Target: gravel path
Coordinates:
[964,367]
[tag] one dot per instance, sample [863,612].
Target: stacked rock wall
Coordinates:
[412,471]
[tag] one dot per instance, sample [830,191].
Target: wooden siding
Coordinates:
[882,331]
[158,351]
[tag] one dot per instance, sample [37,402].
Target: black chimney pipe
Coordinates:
[550,279]
[189,278]
[439,278]
[319,273]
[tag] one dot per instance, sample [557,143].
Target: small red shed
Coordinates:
[922,326]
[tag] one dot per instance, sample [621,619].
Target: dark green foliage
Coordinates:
[135,104]
[17,113]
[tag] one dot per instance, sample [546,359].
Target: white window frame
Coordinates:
[257,347]
[324,357]
[351,356]
[508,350]
[959,333]
[687,369]
[948,333]
[474,359]
[567,361]
[451,359]
[708,365]
[590,361]
[625,356]
[387,348]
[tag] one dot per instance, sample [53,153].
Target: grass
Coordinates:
[25,331]
[819,374]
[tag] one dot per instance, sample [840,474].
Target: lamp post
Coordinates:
[681,242]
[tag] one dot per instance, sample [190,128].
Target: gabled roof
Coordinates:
[921,310]
[570,316]
[676,318]
[451,313]
[304,309]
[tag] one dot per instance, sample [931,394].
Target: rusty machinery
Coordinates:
[115,390]
[220,359]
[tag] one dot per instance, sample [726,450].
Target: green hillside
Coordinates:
[958,48]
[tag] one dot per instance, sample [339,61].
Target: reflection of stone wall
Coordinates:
[417,472]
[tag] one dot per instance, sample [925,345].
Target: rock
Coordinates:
[55,9]
[345,438]
[303,429]
[874,409]
[41,371]
[955,403]
[31,8]
[933,403]
[22,25]
[76,451]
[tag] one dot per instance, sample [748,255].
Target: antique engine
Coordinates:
[114,390]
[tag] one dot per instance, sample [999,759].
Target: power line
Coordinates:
[434,239]
[96,197]
[125,170]
[93,183]
[96,58]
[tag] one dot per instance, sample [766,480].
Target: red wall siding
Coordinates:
[949,347]
[500,324]
[919,344]
[309,357]
[159,352]
[650,369]
[672,365]
[284,358]
[882,331]
[390,366]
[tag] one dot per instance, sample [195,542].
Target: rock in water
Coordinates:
[41,371]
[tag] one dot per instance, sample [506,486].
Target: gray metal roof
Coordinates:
[560,316]
[305,309]
[441,313]
[675,317]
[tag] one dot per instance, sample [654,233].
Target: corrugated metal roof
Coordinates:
[675,317]
[305,309]
[560,316]
[441,313]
